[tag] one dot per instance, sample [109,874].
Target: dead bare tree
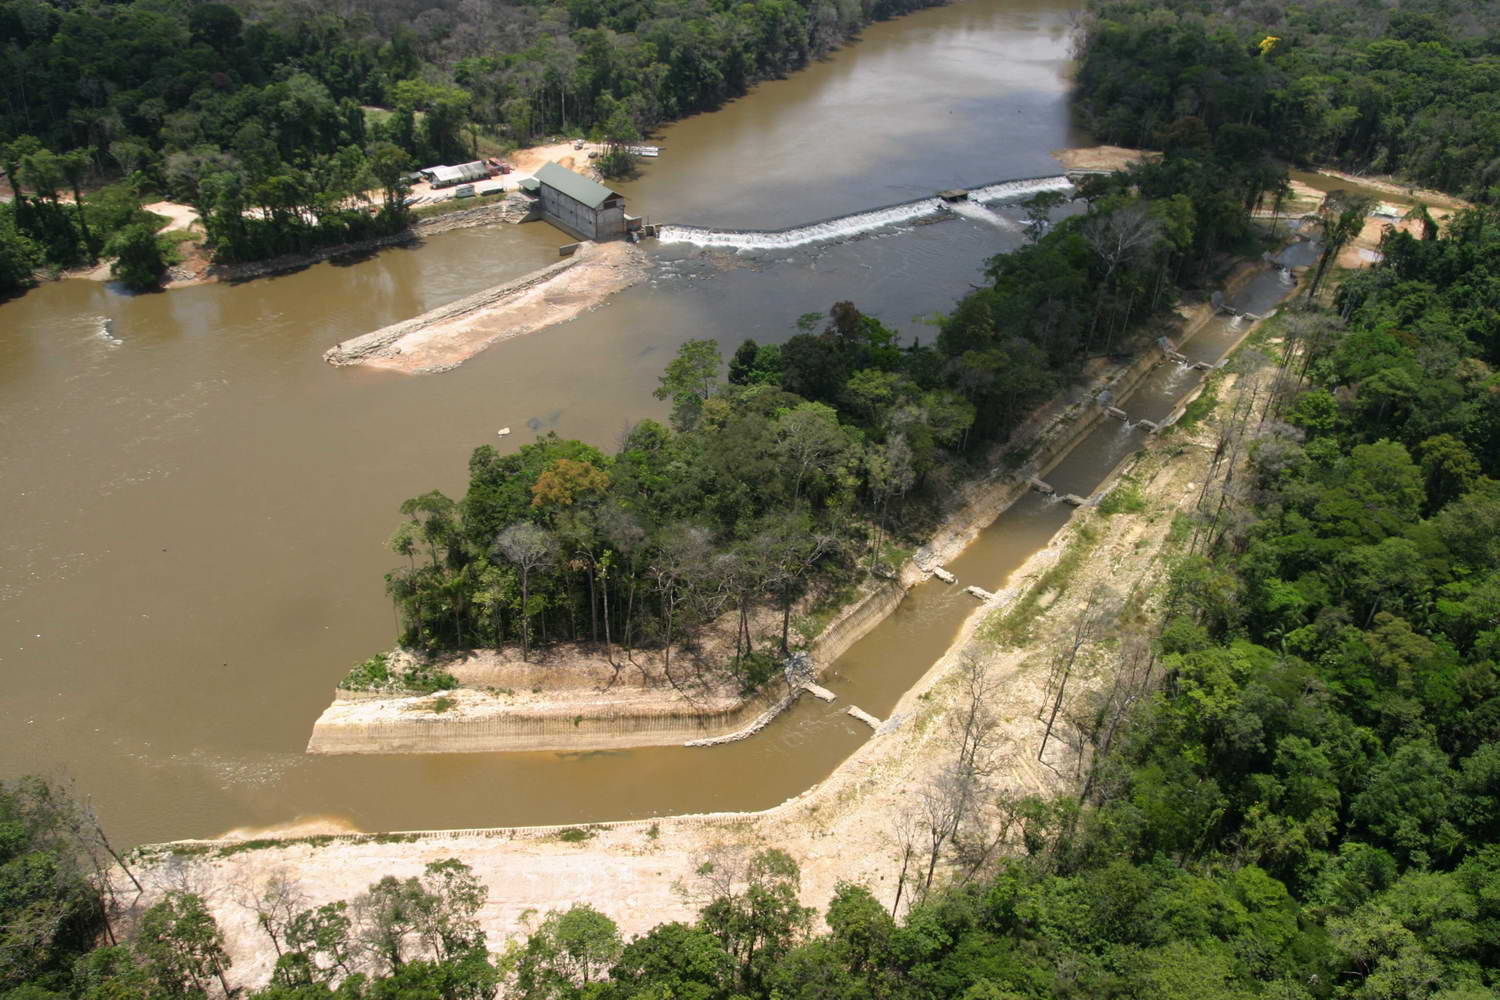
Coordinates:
[717,872]
[907,832]
[985,829]
[75,816]
[940,809]
[276,901]
[1227,454]
[974,723]
[1089,622]
[1132,682]
[1126,234]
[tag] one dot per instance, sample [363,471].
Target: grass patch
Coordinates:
[1192,416]
[378,674]
[437,706]
[1181,529]
[395,838]
[1125,498]
[458,204]
[1012,627]
[575,835]
[811,625]
[261,843]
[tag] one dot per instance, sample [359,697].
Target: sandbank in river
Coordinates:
[444,338]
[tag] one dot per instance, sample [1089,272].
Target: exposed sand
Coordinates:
[445,338]
[183,217]
[1101,157]
[528,161]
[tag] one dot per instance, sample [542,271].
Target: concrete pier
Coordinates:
[821,693]
[864,716]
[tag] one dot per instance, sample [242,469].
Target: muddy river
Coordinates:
[197,506]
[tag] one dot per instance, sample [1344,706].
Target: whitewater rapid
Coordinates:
[858,223]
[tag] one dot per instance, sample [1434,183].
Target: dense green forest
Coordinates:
[274,120]
[791,476]
[1410,88]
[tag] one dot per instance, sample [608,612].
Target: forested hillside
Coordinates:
[273,120]
[1411,88]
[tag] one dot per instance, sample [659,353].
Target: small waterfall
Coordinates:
[833,229]
[974,210]
[1012,190]
[106,332]
[858,223]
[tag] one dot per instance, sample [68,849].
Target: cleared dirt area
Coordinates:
[444,338]
[528,161]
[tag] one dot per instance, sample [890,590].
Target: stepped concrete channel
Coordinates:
[1009,515]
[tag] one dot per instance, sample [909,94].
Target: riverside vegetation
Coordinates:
[275,120]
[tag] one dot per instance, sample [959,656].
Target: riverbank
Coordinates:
[444,338]
[846,828]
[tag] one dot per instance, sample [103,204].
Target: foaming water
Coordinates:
[843,228]
[980,213]
[301,826]
[1024,188]
[847,227]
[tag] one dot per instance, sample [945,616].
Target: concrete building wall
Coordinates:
[572,215]
[607,223]
[610,224]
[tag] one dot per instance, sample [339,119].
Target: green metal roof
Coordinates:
[575,186]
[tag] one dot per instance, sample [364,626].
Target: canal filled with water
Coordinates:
[198,505]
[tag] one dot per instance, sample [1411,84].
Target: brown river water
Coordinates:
[197,506]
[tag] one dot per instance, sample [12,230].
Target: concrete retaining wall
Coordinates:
[510,731]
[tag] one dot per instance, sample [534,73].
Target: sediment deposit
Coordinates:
[444,338]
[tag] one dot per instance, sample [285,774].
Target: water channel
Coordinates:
[198,505]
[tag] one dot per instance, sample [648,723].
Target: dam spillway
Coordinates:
[845,227]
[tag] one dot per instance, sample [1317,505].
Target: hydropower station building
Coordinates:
[580,206]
